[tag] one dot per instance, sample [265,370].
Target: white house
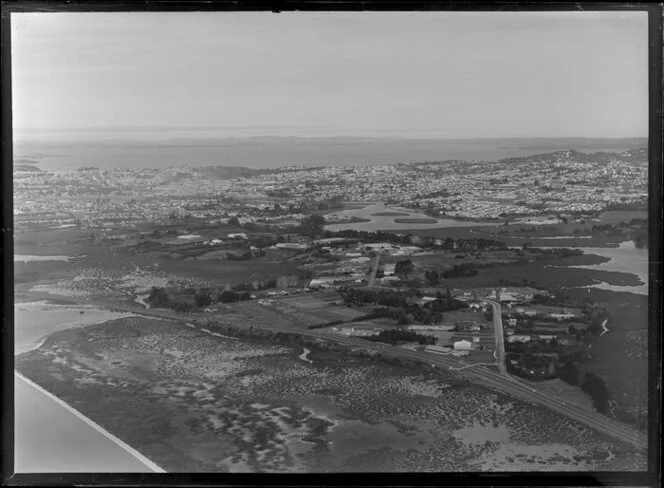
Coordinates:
[518,338]
[463,345]
[562,316]
[389,269]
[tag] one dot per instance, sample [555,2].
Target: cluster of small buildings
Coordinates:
[458,348]
[561,182]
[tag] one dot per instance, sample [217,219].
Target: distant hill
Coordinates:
[631,155]
[224,172]
[27,167]
[275,152]
[25,161]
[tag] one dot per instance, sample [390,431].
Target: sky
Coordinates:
[400,74]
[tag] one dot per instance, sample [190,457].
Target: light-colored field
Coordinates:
[322,309]
[382,217]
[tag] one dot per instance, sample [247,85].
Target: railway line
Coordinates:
[279,322]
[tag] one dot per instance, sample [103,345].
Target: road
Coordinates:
[275,320]
[371,280]
[498,334]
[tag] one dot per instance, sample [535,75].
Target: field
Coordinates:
[101,272]
[447,259]
[322,308]
[549,274]
[382,217]
[550,309]
[620,356]
[553,235]
[193,403]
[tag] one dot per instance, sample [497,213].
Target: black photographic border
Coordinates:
[650,478]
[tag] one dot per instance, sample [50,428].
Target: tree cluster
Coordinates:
[312,226]
[404,267]
[158,297]
[394,336]
[596,388]
[461,271]
[432,277]
[445,304]
[228,296]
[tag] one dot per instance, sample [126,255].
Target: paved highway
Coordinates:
[275,320]
[371,279]
[498,334]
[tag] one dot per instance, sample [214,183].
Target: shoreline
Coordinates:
[127,448]
[426,379]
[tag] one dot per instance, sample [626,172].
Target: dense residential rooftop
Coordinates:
[564,182]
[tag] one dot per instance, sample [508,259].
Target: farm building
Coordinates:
[463,345]
[477,306]
[519,338]
[291,281]
[562,316]
[295,246]
[438,349]
[322,282]
[432,327]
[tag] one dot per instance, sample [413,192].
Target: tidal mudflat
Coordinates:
[382,217]
[192,402]
[35,320]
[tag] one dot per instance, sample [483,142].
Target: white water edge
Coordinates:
[140,457]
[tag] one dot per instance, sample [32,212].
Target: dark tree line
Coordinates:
[592,384]
[404,267]
[461,271]
[394,336]
[312,226]
[432,277]
[428,242]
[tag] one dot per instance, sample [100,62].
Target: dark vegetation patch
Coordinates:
[414,221]
[388,214]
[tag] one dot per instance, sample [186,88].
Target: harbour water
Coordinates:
[626,258]
[49,437]
[35,320]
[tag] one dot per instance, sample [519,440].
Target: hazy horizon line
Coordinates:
[415,134]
